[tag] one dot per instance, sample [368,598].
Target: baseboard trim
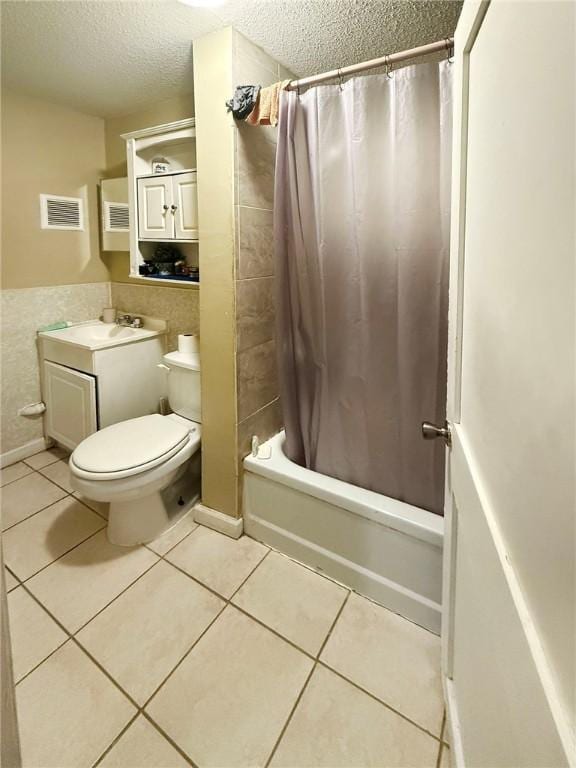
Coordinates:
[218,521]
[17,454]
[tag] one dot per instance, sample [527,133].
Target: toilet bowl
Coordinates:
[147,468]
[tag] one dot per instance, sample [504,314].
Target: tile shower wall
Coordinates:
[24,310]
[178,306]
[255,152]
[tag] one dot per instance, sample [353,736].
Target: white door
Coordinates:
[155,216]
[185,206]
[509,599]
[70,404]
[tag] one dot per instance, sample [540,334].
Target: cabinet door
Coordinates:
[155,220]
[185,206]
[70,404]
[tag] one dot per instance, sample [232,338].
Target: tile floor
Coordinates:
[199,650]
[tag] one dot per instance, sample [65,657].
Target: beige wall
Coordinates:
[215,162]
[48,149]
[158,113]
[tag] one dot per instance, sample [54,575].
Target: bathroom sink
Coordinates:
[98,335]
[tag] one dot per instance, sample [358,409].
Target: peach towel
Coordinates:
[265,110]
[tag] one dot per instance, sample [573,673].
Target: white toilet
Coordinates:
[147,468]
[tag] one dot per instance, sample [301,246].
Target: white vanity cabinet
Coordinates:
[86,389]
[168,207]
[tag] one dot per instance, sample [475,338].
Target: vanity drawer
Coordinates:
[68,355]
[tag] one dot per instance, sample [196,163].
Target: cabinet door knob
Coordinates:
[174,207]
[165,207]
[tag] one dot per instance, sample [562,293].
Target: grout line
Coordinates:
[11,482]
[174,545]
[115,741]
[9,528]
[439,756]
[227,602]
[169,739]
[301,694]
[373,696]
[23,581]
[37,469]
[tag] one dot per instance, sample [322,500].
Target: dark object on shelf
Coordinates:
[182,278]
[165,253]
[194,273]
[147,269]
[243,101]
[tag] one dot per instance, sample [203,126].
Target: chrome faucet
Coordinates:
[129,321]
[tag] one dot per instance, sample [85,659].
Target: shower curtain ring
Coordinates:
[340,84]
[387,67]
[450,49]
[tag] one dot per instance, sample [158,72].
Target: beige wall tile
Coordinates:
[264,423]
[257,378]
[256,147]
[254,312]
[180,307]
[24,310]
[69,711]
[255,243]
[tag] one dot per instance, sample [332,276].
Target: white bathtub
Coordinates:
[380,547]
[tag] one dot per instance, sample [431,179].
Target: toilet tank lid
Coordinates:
[183,360]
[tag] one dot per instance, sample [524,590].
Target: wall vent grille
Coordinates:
[57,212]
[116,217]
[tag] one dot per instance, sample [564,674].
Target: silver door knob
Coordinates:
[431,432]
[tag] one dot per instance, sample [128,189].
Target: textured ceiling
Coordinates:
[110,57]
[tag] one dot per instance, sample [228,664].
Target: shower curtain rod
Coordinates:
[393,58]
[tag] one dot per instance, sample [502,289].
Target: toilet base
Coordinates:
[138,521]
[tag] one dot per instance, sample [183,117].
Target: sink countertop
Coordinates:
[95,334]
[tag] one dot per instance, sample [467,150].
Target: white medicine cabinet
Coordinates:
[163,202]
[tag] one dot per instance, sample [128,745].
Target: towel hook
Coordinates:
[450,49]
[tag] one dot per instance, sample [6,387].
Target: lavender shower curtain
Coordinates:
[361,247]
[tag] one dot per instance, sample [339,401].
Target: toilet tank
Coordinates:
[184,385]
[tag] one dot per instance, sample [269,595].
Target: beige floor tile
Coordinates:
[142,746]
[101,507]
[392,658]
[68,711]
[297,603]
[216,560]
[445,757]
[337,726]
[143,634]
[44,458]
[23,497]
[59,473]
[34,634]
[167,541]
[14,472]
[226,704]
[10,581]
[39,540]
[85,580]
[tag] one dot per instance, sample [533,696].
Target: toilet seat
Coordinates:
[131,447]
